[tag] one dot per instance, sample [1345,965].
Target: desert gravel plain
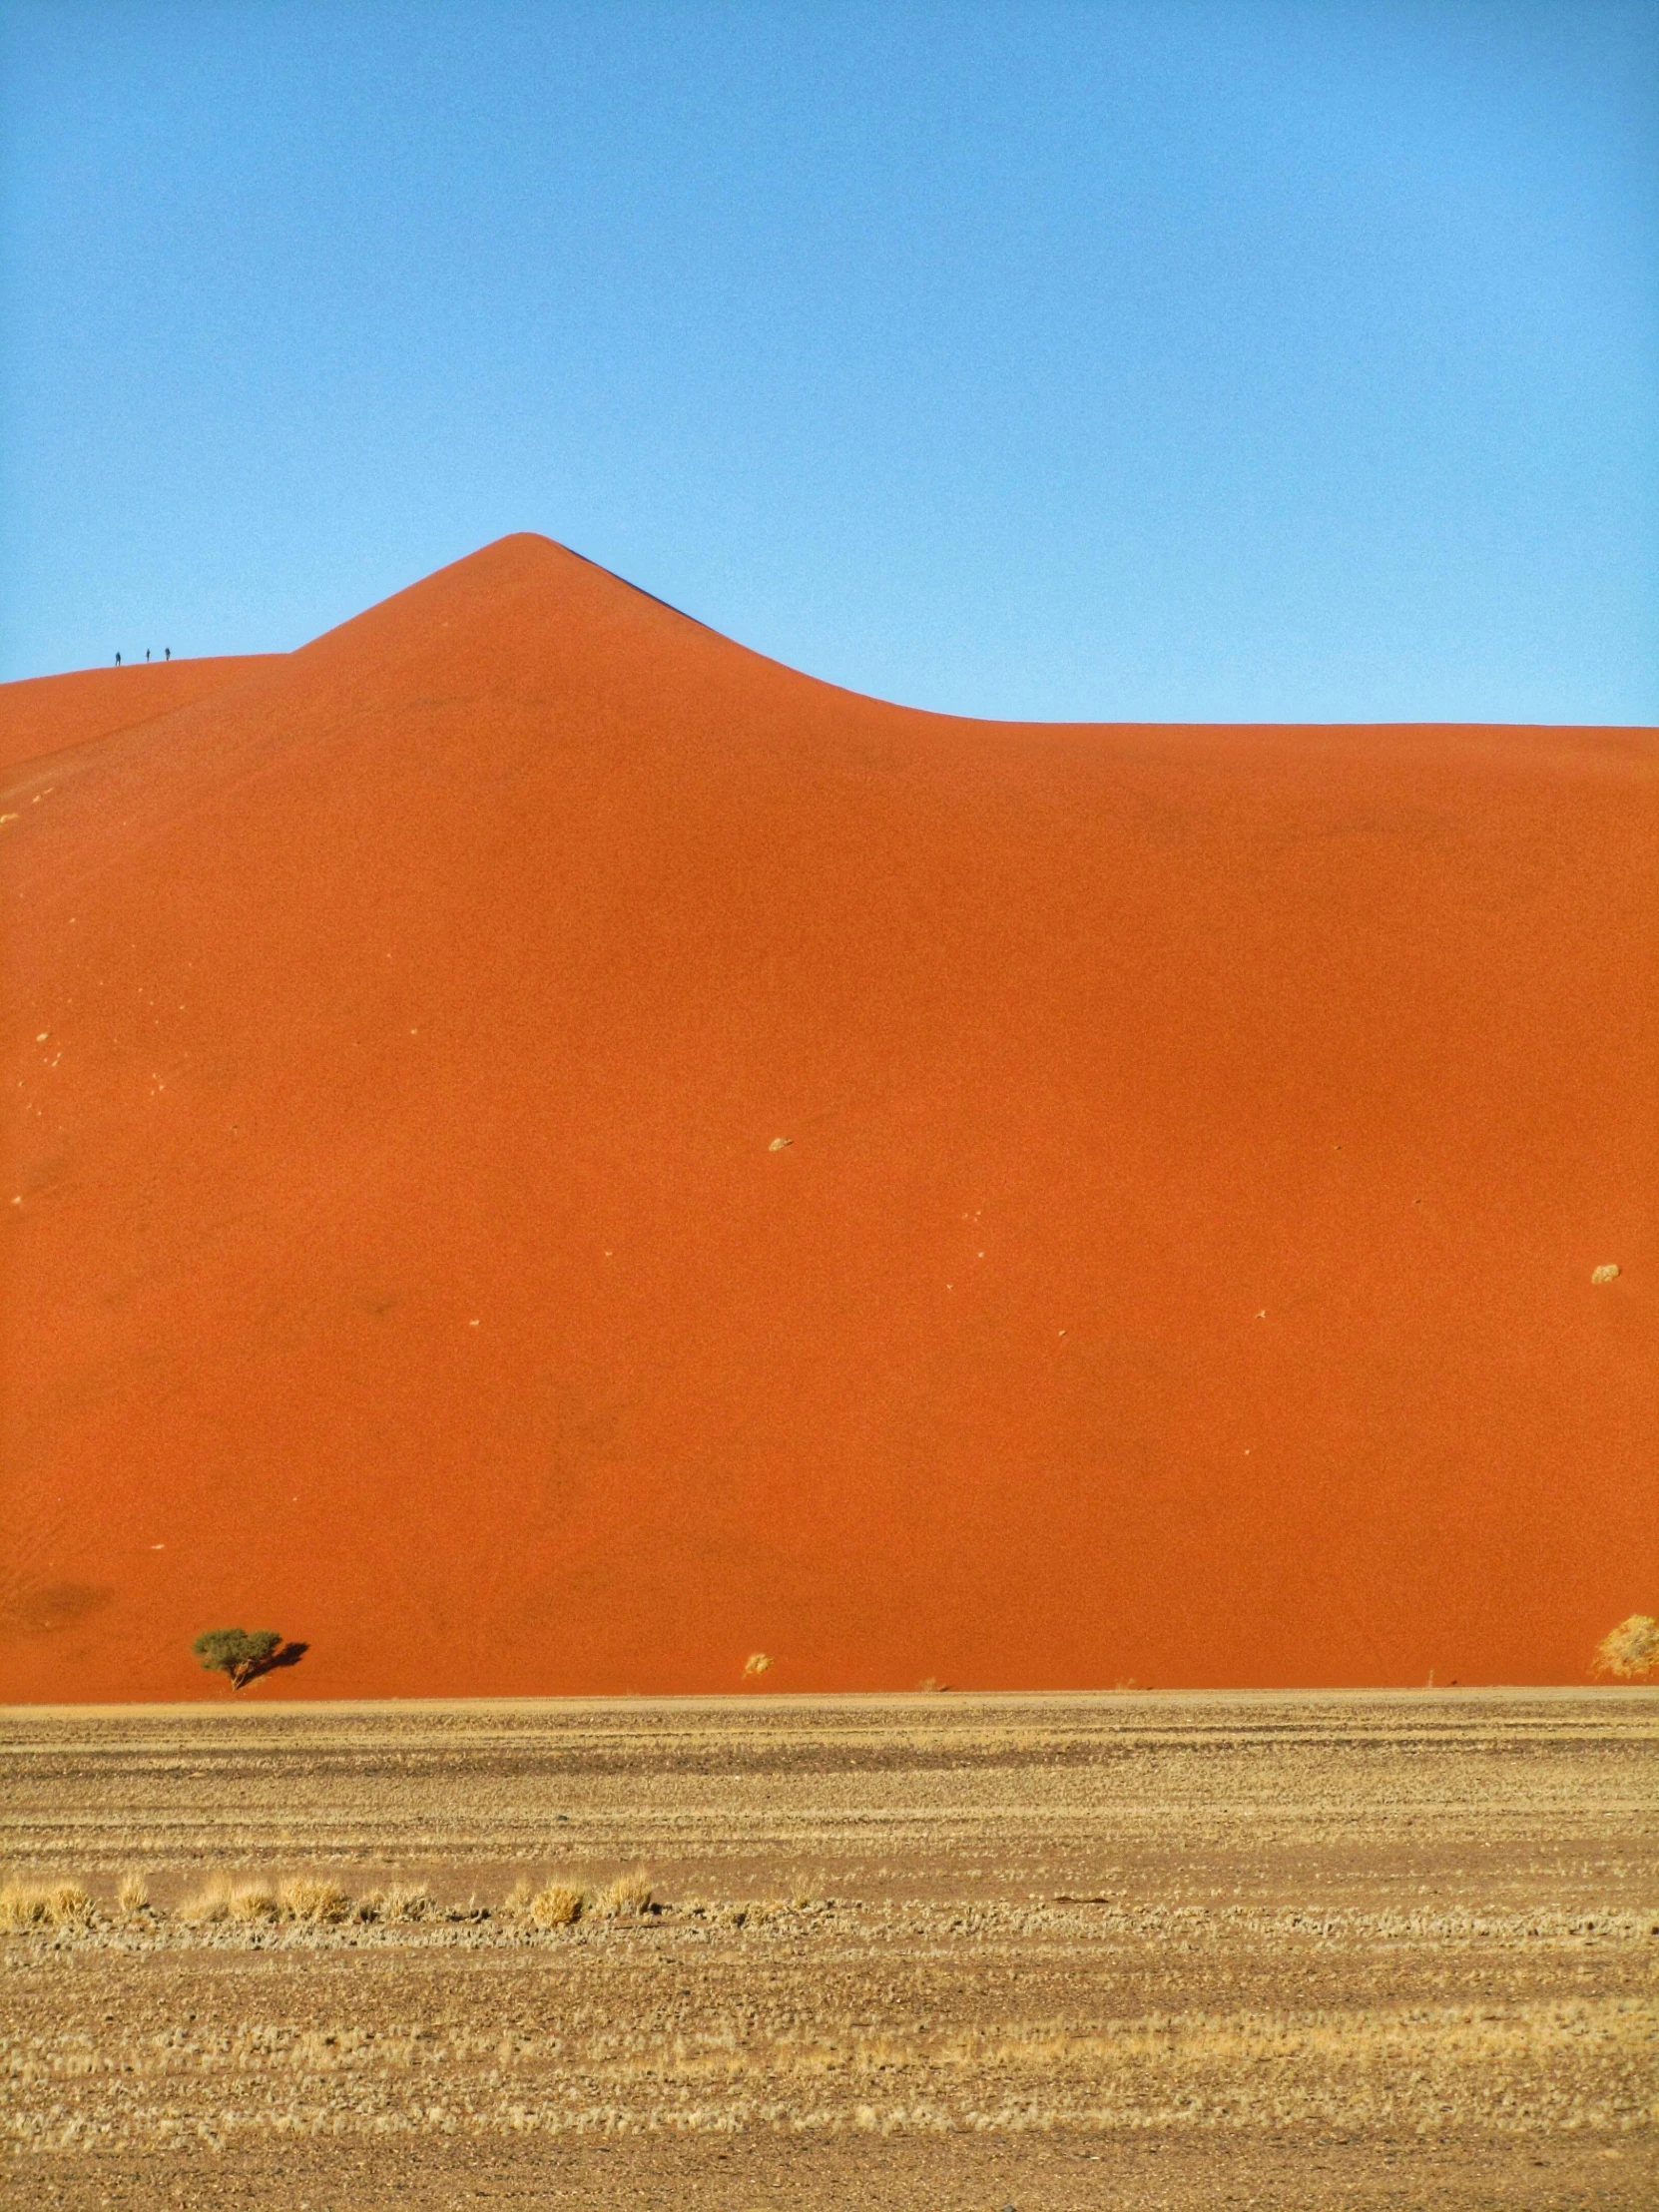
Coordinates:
[945,1950]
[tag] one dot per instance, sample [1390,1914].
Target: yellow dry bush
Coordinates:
[1630,1650]
[22,1906]
[25,1904]
[399,1901]
[313,1897]
[251,1900]
[517,1901]
[67,1904]
[628,1895]
[132,1896]
[556,1906]
[210,1903]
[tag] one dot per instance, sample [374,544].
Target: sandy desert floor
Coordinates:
[946,1951]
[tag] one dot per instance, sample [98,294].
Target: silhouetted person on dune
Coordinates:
[118,660]
[168,655]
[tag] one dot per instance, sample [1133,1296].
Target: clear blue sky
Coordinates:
[1150,359]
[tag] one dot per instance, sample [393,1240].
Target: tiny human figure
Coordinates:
[118,660]
[168,655]
[146,652]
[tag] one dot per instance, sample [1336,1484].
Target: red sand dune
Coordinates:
[1178,1266]
[52,712]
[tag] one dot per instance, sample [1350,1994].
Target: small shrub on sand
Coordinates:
[1631,1650]
[241,1653]
[556,1906]
[628,1895]
[132,1896]
[313,1897]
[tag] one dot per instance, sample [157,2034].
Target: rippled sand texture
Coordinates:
[936,1951]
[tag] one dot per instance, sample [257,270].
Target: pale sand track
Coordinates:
[1349,1949]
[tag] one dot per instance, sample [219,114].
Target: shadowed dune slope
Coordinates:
[49,714]
[1199,1145]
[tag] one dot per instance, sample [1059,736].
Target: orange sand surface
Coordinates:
[51,713]
[546,1152]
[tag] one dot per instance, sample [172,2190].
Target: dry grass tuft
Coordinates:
[301,1897]
[22,1905]
[556,1906]
[210,1903]
[67,1904]
[1631,1650]
[25,1904]
[133,1896]
[399,1901]
[313,1897]
[251,1900]
[628,1895]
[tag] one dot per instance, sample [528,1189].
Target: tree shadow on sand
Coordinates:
[286,1655]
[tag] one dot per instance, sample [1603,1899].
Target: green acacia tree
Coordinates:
[240,1653]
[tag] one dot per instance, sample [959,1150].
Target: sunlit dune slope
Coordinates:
[546,1152]
[49,714]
